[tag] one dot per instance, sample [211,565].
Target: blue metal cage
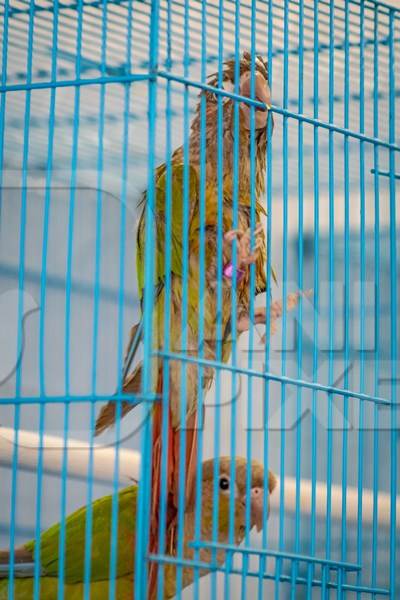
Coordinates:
[94,95]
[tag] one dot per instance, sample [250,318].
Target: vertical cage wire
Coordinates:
[141,567]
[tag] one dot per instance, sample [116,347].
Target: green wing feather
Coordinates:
[101,540]
[177,214]
[99,590]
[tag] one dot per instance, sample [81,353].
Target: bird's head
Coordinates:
[225,485]
[252,83]
[258,496]
[261,92]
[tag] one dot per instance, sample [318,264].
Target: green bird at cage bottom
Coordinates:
[75,524]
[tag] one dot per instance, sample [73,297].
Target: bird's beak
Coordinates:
[257,506]
[262,94]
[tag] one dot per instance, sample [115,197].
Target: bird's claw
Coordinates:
[245,256]
[276,311]
[243,323]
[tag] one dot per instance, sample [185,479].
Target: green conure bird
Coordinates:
[188,291]
[101,539]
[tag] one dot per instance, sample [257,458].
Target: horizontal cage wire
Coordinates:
[198,216]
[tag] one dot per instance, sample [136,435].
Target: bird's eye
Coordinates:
[224,483]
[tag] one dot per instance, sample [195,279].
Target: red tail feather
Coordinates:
[172,492]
